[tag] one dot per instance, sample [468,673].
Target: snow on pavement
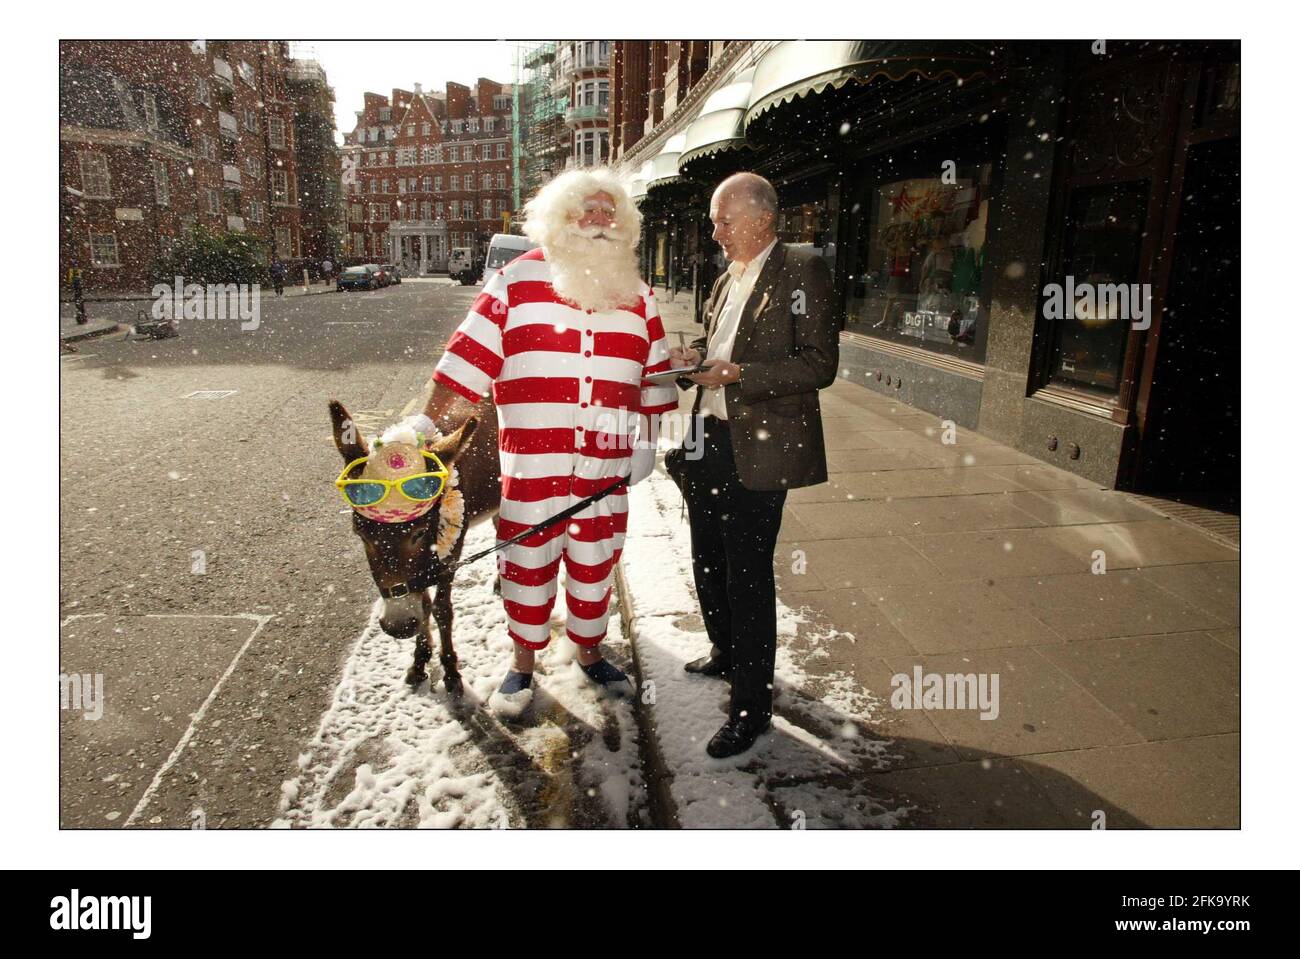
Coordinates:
[804,772]
[389,755]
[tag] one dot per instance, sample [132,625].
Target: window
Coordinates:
[284,241]
[426,129]
[410,130]
[425,210]
[161,186]
[490,124]
[95,180]
[473,124]
[246,73]
[487,181]
[437,207]
[275,131]
[150,112]
[457,126]
[280,186]
[103,249]
[453,209]
[501,151]
[590,147]
[401,185]
[214,201]
[455,183]
[453,154]
[255,211]
[251,124]
[1104,229]
[437,184]
[916,275]
[426,184]
[500,103]
[426,155]
[202,92]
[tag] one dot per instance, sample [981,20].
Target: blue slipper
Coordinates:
[513,695]
[603,674]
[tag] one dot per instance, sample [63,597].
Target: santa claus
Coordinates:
[563,336]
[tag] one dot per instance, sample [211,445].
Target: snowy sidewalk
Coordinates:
[1111,628]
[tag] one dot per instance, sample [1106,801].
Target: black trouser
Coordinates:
[733,539]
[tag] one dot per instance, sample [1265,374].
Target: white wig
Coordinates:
[549,214]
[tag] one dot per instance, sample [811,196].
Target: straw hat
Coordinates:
[395,456]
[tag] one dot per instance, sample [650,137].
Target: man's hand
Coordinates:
[683,356]
[717,374]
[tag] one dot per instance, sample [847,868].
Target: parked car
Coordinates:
[504,248]
[462,266]
[359,278]
[382,275]
[394,274]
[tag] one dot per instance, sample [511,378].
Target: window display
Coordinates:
[920,266]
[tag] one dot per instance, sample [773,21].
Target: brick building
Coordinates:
[159,136]
[317,160]
[427,172]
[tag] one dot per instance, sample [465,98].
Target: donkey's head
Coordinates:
[402,560]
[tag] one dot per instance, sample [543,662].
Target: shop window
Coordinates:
[1103,246]
[918,270]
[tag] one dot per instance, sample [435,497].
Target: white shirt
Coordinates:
[744,276]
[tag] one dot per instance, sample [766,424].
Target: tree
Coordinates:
[202,256]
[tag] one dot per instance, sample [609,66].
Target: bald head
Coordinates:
[743,211]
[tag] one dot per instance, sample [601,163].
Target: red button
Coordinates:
[586,379]
[584,406]
[579,429]
[589,332]
[586,352]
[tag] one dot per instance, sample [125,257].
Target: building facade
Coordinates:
[157,137]
[1036,240]
[318,162]
[426,173]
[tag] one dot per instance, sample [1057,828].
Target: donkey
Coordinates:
[402,560]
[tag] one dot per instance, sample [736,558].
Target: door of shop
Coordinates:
[1190,447]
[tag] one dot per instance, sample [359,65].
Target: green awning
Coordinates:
[797,68]
[721,122]
[663,168]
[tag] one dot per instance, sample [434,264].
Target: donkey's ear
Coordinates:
[347,436]
[450,447]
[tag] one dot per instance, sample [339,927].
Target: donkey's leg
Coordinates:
[442,613]
[423,646]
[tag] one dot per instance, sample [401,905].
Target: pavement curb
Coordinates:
[658,777]
[76,336]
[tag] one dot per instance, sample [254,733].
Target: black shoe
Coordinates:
[734,738]
[709,666]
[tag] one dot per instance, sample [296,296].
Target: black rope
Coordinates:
[564,514]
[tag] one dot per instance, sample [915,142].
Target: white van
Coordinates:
[460,265]
[504,248]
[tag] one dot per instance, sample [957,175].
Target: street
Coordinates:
[208,568]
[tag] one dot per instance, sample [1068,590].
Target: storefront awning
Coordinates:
[663,168]
[639,183]
[721,123]
[797,68]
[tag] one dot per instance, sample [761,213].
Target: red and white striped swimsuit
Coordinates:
[568,387]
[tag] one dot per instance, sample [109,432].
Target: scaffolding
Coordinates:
[540,141]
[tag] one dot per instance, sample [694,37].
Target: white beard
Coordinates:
[594,274]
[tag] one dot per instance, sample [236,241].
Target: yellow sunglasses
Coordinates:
[419,488]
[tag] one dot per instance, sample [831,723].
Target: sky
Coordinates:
[354,67]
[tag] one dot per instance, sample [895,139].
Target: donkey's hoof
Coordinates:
[453,683]
[416,675]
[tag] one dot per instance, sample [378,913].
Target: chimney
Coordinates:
[418,89]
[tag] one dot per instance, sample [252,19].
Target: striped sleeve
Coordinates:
[474,356]
[656,397]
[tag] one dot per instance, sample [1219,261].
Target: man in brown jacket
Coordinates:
[771,343]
